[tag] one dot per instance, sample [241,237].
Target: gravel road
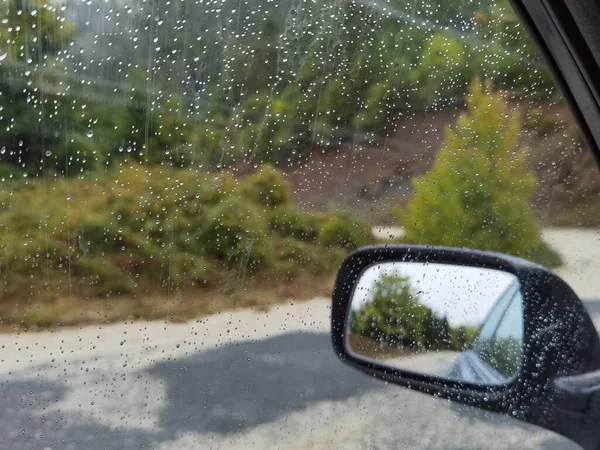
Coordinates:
[242,379]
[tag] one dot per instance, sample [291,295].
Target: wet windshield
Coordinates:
[180,180]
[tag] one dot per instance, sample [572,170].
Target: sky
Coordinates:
[463,294]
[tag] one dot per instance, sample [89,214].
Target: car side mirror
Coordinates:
[479,328]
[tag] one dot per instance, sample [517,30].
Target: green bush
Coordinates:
[77,155]
[288,222]
[445,70]
[207,141]
[232,229]
[9,172]
[297,258]
[267,187]
[478,193]
[103,276]
[139,227]
[346,231]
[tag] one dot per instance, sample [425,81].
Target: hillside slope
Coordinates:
[371,180]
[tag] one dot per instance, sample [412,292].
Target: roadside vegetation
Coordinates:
[479,193]
[159,192]
[135,231]
[396,319]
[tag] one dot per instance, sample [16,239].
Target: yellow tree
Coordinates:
[479,192]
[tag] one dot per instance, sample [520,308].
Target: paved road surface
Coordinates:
[433,363]
[233,380]
[240,379]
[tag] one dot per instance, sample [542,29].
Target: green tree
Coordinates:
[30,31]
[462,337]
[478,192]
[33,109]
[267,187]
[439,335]
[445,70]
[393,315]
[510,58]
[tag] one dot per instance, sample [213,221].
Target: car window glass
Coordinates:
[508,339]
[511,326]
[495,317]
[502,348]
[180,180]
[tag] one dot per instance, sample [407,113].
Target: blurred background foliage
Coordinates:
[299,78]
[152,160]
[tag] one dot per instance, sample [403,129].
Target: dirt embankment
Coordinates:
[370,180]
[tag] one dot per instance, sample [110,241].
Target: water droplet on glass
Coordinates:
[2,56]
[89,134]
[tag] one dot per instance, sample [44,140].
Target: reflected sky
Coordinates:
[463,294]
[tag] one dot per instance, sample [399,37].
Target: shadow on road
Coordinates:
[228,389]
[243,385]
[25,422]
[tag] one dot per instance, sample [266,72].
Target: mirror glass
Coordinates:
[451,321]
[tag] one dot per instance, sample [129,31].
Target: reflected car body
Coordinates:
[480,364]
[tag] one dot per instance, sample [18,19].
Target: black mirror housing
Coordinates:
[560,339]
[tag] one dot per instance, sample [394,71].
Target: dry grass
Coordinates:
[43,313]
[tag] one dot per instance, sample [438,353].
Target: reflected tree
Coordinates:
[395,316]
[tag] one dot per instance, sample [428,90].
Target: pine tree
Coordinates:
[479,192]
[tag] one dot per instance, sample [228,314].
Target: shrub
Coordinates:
[288,222]
[297,258]
[478,193]
[103,276]
[233,229]
[188,268]
[267,187]
[346,231]
[79,154]
[136,228]
[9,172]
[207,142]
[445,70]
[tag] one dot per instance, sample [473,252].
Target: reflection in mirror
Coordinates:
[451,321]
